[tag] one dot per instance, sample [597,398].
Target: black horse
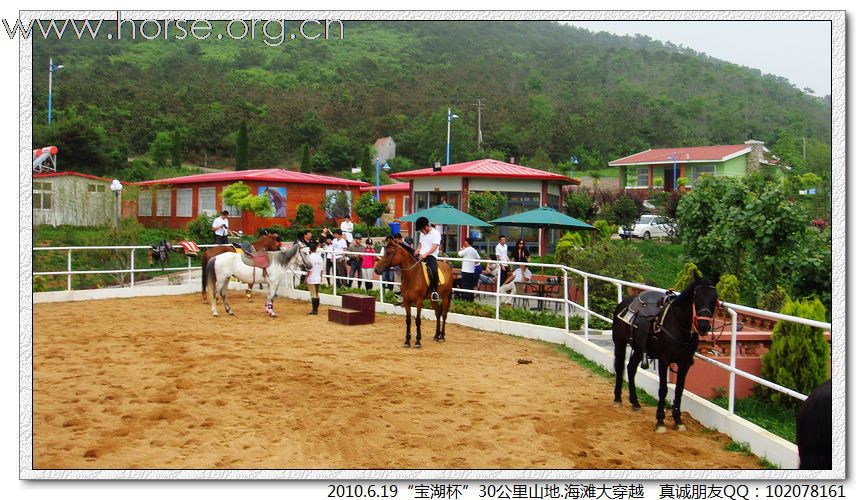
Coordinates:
[814,429]
[680,323]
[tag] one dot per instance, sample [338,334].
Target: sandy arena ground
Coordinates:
[157,383]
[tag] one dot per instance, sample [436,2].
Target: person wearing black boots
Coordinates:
[313,276]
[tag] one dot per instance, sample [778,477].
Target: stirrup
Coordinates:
[434,297]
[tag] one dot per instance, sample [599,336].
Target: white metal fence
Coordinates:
[566,275]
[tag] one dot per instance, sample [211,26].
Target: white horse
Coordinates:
[224,266]
[297,267]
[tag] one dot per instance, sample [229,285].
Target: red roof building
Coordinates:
[662,168]
[174,202]
[524,189]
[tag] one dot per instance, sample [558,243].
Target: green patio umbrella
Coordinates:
[445,214]
[543,217]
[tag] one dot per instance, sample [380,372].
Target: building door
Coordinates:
[668,179]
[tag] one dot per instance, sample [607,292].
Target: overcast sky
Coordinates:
[800,51]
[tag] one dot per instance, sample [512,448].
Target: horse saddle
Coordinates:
[426,275]
[645,308]
[256,259]
[160,251]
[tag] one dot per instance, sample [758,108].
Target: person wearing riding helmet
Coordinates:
[429,242]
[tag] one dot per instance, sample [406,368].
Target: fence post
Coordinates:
[566,308]
[333,278]
[189,268]
[69,270]
[731,391]
[586,306]
[381,287]
[498,289]
[132,268]
[618,293]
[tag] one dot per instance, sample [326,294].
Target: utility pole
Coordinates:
[480,134]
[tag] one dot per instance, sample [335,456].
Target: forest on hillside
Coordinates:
[546,92]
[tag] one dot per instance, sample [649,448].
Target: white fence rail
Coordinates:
[564,273]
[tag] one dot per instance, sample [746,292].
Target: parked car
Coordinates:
[650,226]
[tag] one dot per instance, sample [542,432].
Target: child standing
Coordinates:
[313,276]
[368,263]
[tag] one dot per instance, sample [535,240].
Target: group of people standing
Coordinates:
[472,272]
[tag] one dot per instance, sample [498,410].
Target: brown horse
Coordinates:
[415,290]
[269,242]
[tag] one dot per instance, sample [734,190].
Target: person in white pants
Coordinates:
[520,275]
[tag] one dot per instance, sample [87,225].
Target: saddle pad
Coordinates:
[256,260]
[426,275]
[189,247]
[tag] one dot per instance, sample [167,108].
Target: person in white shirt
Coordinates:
[502,256]
[521,275]
[468,275]
[326,247]
[220,228]
[429,242]
[339,247]
[313,276]
[347,228]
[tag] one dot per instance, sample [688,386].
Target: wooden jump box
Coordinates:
[356,310]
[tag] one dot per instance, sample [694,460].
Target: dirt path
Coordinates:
[156,382]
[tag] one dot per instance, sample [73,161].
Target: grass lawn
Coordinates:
[778,420]
[663,260]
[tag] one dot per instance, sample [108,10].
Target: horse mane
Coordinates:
[687,294]
[409,250]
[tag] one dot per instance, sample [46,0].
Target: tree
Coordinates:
[160,149]
[799,355]
[486,206]
[579,205]
[239,196]
[337,152]
[310,130]
[336,205]
[305,164]
[368,209]
[242,151]
[176,149]
[625,212]
[305,215]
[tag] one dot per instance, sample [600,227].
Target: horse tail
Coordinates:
[204,263]
[210,275]
[814,429]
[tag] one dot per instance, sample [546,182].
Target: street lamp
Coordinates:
[574,161]
[674,157]
[117,187]
[378,170]
[451,117]
[51,69]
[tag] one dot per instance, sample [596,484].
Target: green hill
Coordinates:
[547,91]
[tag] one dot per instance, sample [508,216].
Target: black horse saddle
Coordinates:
[648,304]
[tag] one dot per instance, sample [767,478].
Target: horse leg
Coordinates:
[407,324]
[249,293]
[222,294]
[662,396]
[619,365]
[444,307]
[268,304]
[632,374]
[419,306]
[438,310]
[677,396]
[211,295]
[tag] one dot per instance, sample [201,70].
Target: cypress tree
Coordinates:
[305,164]
[242,157]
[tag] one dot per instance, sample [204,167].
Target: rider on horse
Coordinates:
[429,242]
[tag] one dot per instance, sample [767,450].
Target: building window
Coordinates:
[642,176]
[42,199]
[433,198]
[145,198]
[406,205]
[207,201]
[184,202]
[163,203]
[695,171]
[96,188]
[553,201]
